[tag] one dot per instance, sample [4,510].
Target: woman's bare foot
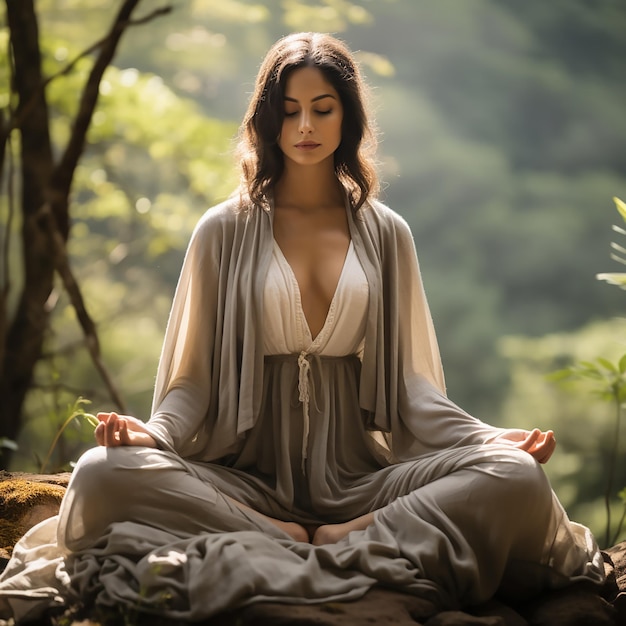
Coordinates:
[293,529]
[329,533]
[332,533]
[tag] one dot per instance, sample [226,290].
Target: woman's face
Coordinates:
[311,130]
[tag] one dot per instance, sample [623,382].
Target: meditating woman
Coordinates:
[301,445]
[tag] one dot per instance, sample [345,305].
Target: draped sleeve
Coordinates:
[209,378]
[183,382]
[402,382]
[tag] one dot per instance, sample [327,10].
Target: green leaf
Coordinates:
[588,369]
[621,207]
[92,419]
[613,278]
[5,442]
[607,364]
[622,364]
[592,374]
[559,375]
[587,365]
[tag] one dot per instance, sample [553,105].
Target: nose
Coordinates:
[305,125]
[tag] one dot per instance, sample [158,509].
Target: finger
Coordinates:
[111,428]
[99,434]
[548,440]
[548,450]
[551,449]
[102,416]
[530,440]
[544,455]
[124,436]
[545,458]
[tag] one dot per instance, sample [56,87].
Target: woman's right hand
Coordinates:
[121,430]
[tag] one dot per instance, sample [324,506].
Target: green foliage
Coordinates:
[75,412]
[609,381]
[496,145]
[605,379]
[577,410]
[324,16]
[612,385]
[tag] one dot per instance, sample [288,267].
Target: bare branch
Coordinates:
[5,243]
[63,174]
[85,53]
[16,121]
[62,267]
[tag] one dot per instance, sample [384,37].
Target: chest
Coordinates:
[315,246]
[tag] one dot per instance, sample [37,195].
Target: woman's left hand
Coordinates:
[537,443]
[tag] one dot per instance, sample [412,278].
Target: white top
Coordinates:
[286,330]
[285,327]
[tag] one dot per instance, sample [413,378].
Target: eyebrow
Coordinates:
[320,97]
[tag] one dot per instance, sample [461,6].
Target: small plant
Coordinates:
[610,380]
[75,411]
[619,252]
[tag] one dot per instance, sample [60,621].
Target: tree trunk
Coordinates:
[25,334]
[45,189]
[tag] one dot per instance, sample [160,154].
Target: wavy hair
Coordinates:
[260,157]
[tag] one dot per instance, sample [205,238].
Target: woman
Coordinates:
[301,446]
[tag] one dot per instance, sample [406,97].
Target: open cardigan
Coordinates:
[210,376]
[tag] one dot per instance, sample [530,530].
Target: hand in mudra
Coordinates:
[537,443]
[121,430]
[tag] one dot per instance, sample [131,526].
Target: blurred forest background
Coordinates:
[503,140]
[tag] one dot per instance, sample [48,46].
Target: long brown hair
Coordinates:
[260,156]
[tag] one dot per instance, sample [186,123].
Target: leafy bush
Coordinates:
[609,380]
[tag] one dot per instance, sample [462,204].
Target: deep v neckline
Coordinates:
[314,341]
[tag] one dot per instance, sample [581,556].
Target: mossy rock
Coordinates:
[24,503]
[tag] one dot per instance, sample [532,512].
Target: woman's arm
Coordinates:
[183,383]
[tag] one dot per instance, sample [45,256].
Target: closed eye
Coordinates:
[293,113]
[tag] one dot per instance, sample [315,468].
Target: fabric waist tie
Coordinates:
[304,395]
[306,389]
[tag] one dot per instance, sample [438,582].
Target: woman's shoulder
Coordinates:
[222,214]
[224,217]
[384,218]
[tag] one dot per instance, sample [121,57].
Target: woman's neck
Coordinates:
[308,188]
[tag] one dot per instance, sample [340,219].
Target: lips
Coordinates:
[307,145]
